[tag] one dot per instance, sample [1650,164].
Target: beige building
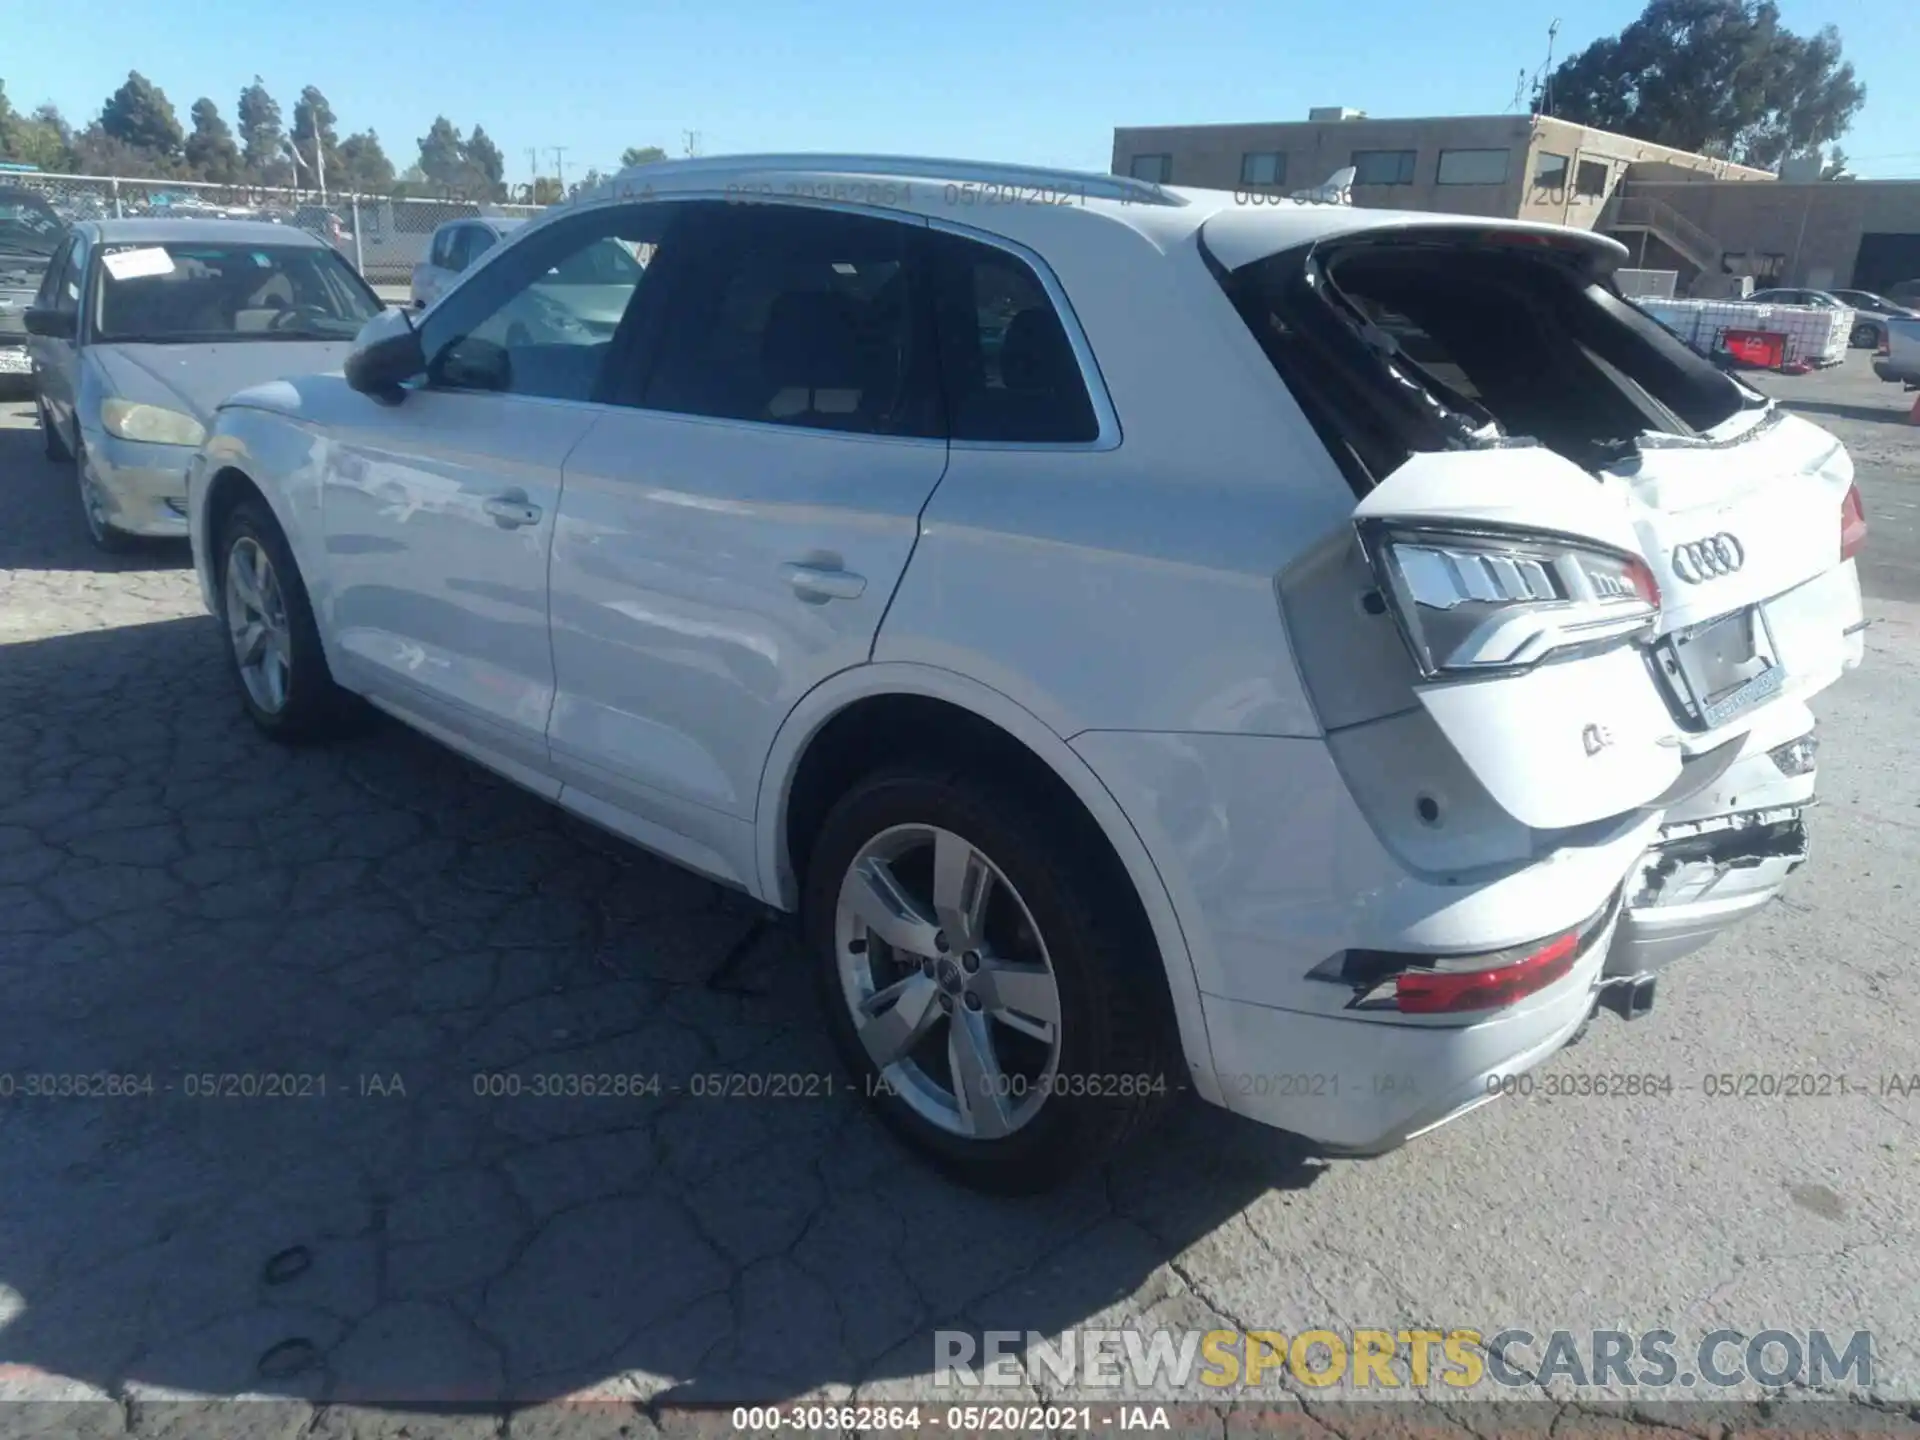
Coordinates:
[1673,209]
[1510,165]
[1860,233]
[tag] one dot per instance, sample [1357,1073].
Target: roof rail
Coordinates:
[1084,183]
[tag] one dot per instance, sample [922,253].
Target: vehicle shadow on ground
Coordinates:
[41,527]
[325,1011]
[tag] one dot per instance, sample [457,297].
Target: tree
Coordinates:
[262,145]
[139,116]
[364,166]
[641,155]
[443,154]
[1722,77]
[313,136]
[43,138]
[486,167]
[95,152]
[211,152]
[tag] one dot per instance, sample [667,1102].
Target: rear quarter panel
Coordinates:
[1132,587]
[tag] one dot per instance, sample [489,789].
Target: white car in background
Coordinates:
[454,249]
[581,298]
[1311,656]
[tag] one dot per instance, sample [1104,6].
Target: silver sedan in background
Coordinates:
[142,327]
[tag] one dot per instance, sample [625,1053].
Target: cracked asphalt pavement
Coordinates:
[181,902]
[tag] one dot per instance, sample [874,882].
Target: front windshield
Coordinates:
[28,225]
[178,292]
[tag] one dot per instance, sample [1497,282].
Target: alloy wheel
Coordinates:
[257,623]
[948,982]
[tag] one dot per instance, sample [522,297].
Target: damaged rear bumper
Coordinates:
[1700,878]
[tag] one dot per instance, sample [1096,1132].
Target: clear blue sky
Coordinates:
[1043,82]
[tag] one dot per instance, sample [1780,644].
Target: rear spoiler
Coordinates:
[1245,234]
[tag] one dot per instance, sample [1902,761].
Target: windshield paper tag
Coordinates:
[134,264]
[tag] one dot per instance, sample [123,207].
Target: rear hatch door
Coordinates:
[1480,370]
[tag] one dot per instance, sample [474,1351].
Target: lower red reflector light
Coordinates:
[1442,992]
[1853,523]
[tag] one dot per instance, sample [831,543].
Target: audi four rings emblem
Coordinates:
[1708,559]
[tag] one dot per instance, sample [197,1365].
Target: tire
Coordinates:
[51,440]
[1866,337]
[1059,1104]
[291,696]
[102,533]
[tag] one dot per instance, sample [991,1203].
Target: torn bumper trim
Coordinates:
[1702,877]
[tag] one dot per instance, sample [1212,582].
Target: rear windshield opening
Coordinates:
[1402,346]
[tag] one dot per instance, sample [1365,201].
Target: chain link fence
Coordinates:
[384,236]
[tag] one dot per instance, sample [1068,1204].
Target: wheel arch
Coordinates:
[865,716]
[257,454]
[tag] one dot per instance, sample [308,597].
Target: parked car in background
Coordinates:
[1899,358]
[1818,300]
[141,327]
[456,247]
[1872,312]
[30,232]
[1135,674]
[326,223]
[395,235]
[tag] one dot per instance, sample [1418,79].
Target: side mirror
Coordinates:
[386,353]
[51,324]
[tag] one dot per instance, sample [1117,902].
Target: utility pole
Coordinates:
[691,141]
[560,165]
[1546,71]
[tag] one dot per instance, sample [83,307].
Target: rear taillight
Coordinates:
[1448,991]
[1853,523]
[1482,601]
[1383,980]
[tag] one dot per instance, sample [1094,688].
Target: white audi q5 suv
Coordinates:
[1309,656]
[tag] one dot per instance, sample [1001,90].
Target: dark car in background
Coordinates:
[30,232]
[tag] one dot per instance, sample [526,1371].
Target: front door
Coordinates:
[439,511]
[56,362]
[731,533]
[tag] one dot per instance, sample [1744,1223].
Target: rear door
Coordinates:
[732,530]
[56,360]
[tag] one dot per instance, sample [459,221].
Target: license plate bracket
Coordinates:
[1725,667]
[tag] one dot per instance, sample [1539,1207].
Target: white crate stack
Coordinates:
[1815,336]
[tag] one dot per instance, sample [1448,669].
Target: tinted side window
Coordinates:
[791,316]
[512,330]
[50,283]
[444,242]
[479,241]
[1008,369]
[67,297]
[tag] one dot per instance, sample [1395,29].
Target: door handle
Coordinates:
[817,584]
[512,510]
